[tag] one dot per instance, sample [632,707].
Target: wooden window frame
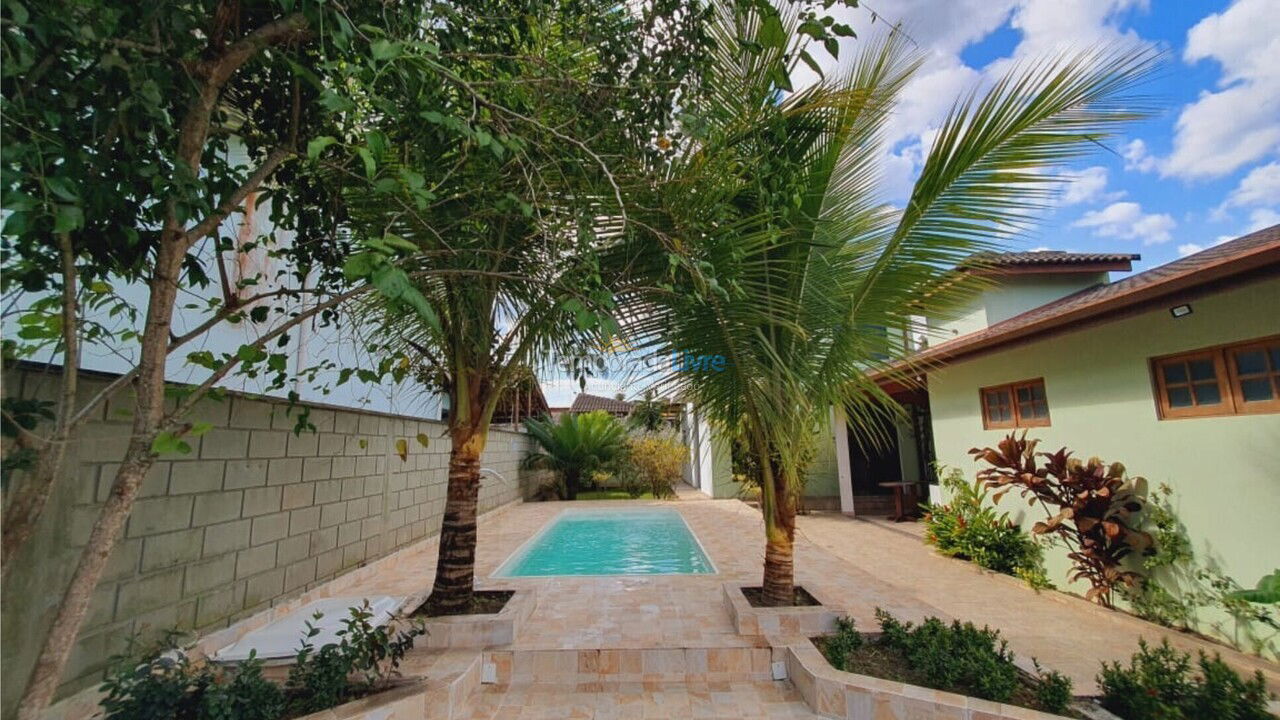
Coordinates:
[1011,392]
[1229,382]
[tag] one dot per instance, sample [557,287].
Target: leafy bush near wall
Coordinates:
[653,462]
[169,685]
[967,527]
[1089,508]
[1158,684]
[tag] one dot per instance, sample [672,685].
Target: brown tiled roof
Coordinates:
[1051,260]
[1244,254]
[587,403]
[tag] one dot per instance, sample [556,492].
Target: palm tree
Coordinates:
[576,446]
[800,275]
[648,414]
[519,230]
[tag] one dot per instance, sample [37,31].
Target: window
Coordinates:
[1017,405]
[1225,380]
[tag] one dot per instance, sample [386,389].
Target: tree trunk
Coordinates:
[30,495]
[454,586]
[778,585]
[138,459]
[571,483]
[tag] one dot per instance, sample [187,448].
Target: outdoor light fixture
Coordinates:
[1182,310]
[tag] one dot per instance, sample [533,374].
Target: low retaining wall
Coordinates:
[253,517]
[848,696]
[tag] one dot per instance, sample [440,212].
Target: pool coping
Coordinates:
[521,550]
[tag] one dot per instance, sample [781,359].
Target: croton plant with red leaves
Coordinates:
[1088,504]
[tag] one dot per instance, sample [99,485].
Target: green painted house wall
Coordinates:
[1015,294]
[1224,471]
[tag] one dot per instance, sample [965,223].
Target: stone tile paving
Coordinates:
[858,565]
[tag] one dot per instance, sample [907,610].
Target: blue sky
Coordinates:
[1205,168]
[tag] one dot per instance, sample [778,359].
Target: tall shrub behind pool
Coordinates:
[611,542]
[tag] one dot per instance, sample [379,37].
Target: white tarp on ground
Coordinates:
[283,637]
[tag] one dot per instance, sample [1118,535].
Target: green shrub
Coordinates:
[654,460]
[168,685]
[1158,685]
[969,528]
[1053,690]
[844,643]
[364,659]
[958,658]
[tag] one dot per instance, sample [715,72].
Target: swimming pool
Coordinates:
[653,541]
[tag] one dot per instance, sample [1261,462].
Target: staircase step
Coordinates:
[619,700]
[731,664]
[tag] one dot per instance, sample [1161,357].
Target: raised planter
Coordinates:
[848,696]
[806,621]
[475,631]
[404,701]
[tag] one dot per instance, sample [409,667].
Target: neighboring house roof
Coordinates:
[587,403]
[1254,254]
[1051,261]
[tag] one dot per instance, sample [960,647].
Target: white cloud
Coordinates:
[1260,187]
[1137,158]
[942,30]
[1088,186]
[1258,219]
[1127,221]
[1262,218]
[1240,123]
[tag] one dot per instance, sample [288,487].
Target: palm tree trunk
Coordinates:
[778,585]
[571,484]
[454,586]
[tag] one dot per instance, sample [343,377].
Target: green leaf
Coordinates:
[400,243]
[200,428]
[385,49]
[251,354]
[168,443]
[370,167]
[360,265]
[70,217]
[423,440]
[204,359]
[317,145]
[771,32]
[813,64]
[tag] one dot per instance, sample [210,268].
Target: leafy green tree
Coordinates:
[523,228]
[794,266]
[648,414]
[133,134]
[575,446]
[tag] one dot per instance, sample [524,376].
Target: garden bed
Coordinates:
[483,602]
[495,620]
[755,596]
[878,660]
[813,617]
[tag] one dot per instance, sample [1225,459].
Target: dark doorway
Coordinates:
[871,463]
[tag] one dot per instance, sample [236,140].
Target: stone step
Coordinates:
[611,700]
[725,664]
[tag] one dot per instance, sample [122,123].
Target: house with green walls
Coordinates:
[1173,371]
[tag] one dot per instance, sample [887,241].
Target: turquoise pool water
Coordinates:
[611,542]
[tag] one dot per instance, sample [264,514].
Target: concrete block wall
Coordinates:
[254,515]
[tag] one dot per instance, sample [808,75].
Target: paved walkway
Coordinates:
[860,565]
